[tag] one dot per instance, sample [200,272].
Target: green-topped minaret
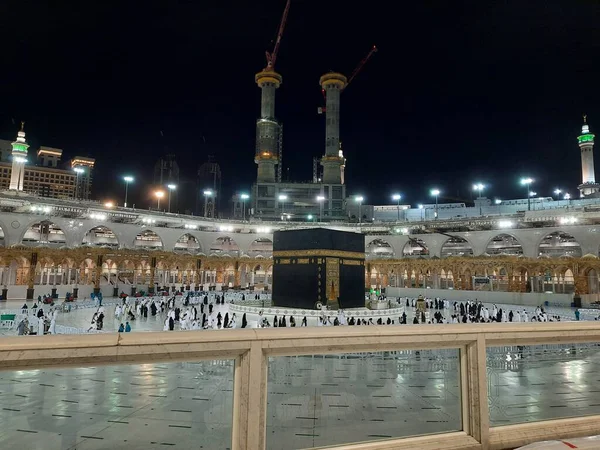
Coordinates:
[588,176]
[19,155]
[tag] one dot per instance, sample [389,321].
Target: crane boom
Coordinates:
[272,57]
[361,64]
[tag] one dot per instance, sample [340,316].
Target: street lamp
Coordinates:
[557,192]
[159,195]
[128,179]
[244,197]
[320,199]
[527,182]
[171,187]
[499,203]
[479,188]
[207,193]
[282,198]
[421,208]
[567,197]
[436,192]
[78,171]
[310,217]
[359,199]
[397,197]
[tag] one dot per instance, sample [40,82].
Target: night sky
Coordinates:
[459,92]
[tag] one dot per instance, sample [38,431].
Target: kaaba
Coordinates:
[318,266]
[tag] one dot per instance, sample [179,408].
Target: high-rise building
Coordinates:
[83,168]
[209,179]
[48,156]
[588,184]
[45,179]
[166,171]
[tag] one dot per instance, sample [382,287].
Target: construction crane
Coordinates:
[272,57]
[356,71]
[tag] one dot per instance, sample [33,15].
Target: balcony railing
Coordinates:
[466,348]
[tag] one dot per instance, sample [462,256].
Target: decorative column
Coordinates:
[31,279]
[238,276]
[152,273]
[98,274]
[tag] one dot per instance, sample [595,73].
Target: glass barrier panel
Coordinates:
[540,382]
[324,400]
[181,405]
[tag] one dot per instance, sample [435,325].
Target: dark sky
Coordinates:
[459,91]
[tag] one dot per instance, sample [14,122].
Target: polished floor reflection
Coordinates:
[183,405]
[543,382]
[335,399]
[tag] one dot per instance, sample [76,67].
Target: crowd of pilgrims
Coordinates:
[197,311]
[474,312]
[46,323]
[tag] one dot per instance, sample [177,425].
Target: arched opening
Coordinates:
[261,247]
[101,236]
[558,244]
[415,248]
[446,279]
[379,249]
[504,244]
[224,246]
[44,233]
[456,246]
[593,282]
[148,240]
[187,244]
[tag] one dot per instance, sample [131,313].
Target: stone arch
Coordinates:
[456,246]
[188,243]
[261,247]
[224,246]
[504,244]
[148,240]
[557,244]
[101,236]
[415,248]
[379,249]
[2,241]
[44,233]
[593,282]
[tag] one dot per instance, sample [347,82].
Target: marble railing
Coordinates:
[253,349]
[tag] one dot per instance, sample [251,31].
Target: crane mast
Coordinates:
[272,57]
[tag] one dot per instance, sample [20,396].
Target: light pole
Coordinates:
[244,197]
[397,197]
[359,199]
[282,198]
[499,203]
[532,194]
[479,188]
[128,179]
[171,188]
[310,217]
[421,208]
[567,197]
[557,192]
[527,182]
[159,195]
[78,171]
[435,193]
[320,199]
[207,193]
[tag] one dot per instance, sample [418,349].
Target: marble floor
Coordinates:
[81,318]
[312,400]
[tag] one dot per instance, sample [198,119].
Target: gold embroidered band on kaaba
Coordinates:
[331,253]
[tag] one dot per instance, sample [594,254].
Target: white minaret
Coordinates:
[588,176]
[19,154]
